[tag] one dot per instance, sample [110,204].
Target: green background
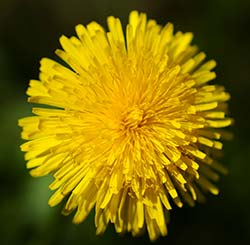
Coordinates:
[29,30]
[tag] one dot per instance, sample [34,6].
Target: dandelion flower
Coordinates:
[131,126]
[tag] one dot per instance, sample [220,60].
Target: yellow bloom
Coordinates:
[132,125]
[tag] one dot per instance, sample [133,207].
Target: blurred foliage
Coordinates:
[30,30]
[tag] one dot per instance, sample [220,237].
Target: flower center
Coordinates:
[133,118]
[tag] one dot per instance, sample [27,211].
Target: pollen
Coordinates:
[133,118]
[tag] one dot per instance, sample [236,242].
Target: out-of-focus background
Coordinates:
[29,30]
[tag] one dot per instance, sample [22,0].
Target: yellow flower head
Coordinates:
[130,127]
